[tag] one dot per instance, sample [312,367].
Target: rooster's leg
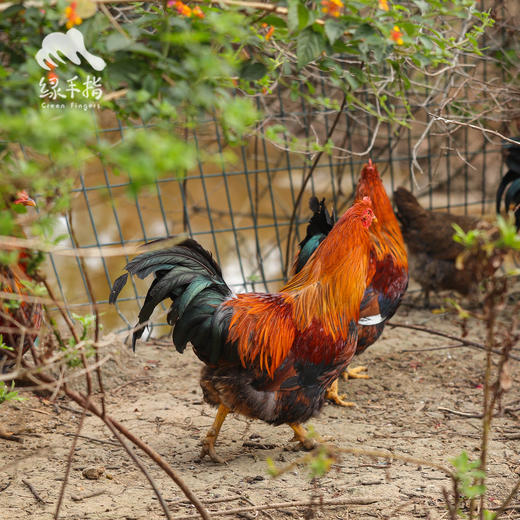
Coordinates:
[332,395]
[354,373]
[426,301]
[300,435]
[208,444]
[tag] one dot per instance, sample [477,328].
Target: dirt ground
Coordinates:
[408,407]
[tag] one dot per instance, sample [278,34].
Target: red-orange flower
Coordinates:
[397,35]
[332,7]
[197,11]
[71,15]
[383,4]
[182,8]
[269,32]
[51,75]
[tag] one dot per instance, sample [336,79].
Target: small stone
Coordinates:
[93,473]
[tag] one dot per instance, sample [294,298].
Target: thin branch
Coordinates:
[33,491]
[504,506]
[298,200]
[362,501]
[69,464]
[95,310]
[13,243]
[61,309]
[464,341]
[475,127]
[138,463]
[85,403]
[363,452]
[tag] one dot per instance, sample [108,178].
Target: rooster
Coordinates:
[383,295]
[20,320]
[266,356]
[512,177]
[432,250]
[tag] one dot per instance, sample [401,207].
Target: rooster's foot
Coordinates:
[332,395]
[304,442]
[354,373]
[208,444]
[208,448]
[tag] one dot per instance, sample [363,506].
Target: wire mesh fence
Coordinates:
[247,204]
[241,208]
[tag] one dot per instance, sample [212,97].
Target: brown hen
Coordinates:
[432,252]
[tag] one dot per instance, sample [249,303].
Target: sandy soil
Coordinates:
[157,396]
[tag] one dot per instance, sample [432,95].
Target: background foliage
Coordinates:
[172,69]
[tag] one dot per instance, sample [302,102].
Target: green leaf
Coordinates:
[252,70]
[271,467]
[304,17]
[426,42]
[309,46]
[292,15]
[298,16]
[351,80]
[116,42]
[460,463]
[334,29]
[422,5]
[275,21]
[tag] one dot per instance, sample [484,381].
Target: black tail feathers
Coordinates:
[190,277]
[318,228]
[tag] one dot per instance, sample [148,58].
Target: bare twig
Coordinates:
[92,439]
[362,501]
[504,506]
[138,463]
[461,414]
[207,501]
[435,332]
[85,403]
[475,127]
[113,21]
[61,308]
[20,459]
[79,498]
[364,452]
[69,465]
[13,243]
[306,180]
[95,310]
[33,491]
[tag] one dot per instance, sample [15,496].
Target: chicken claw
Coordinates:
[208,444]
[353,373]
[332,395]
[208,448]
[301,436]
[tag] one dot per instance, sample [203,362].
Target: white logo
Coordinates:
[70,44]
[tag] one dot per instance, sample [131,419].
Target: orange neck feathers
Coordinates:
[328,290]
[386,231]
[330,286]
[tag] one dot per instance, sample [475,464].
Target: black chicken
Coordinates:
[511,179]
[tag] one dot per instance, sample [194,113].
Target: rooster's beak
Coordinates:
[374,219]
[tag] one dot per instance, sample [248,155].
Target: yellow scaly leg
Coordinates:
[300,435]
[332,395]
[208,444]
